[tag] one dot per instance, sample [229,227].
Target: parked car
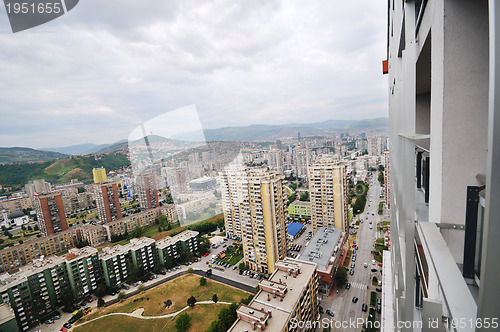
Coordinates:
[50,321]
[374,270]
[348,285]
[56,317]
[378,289]
[67,325]
[364,307]
[330,313]
[379,300]
[351,272]
[379,308]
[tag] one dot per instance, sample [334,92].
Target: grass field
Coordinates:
[178,291]
[201,317]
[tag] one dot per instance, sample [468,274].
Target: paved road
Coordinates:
[343,307]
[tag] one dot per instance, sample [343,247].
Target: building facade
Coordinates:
[147,190]
[143,253]
[328,194]
[127,224]
[289,296]
[51,217]
[11,258]
[444,182]
[107,201]
[99,175]
[114,265]
[300,208]
[173,246]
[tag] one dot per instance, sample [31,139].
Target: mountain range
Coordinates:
[241,133]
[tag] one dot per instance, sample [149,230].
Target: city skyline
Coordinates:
[91,77]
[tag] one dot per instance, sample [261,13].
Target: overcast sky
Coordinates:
[105,67]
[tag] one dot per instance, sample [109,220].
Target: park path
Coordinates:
[138,313]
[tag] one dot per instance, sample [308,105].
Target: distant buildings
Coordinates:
[127,224]
[38,187]
[107,201]
[51,217]
[328,194]
[289,296]
[99,175]
[254,211]
[13,219]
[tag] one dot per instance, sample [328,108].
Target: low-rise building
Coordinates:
[7,318]
[300,209]
[290,295]
[12,258]
[325,249]
[127,224]
[93,234]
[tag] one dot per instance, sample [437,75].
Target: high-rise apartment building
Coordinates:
[276,160]
[444,115]
[376,145]
[38,187]
[286,302]
[114,265]
[99,175]
[108,201]
[254,210]
[328,194]
[147,190]
[51,217]
[387,180]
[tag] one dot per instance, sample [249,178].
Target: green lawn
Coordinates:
[177,291]
[373,299]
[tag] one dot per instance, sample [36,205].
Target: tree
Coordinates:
[304,196]
[101,290]
[36,227]
[168,303]
[137,232]
[157,268]
[203,281]
[242,266]
[141,288]
[191,301]
[190,270]
[121,296]
[215,298]
[381,178]
[66,297]
[381,168]
[257,288]
[341,277]
[100,302]
[183,322]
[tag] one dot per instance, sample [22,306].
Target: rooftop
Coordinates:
[75,253]
[301,203]
[108,252]
[294,228]
[322,247]
[37,240]
[39,265]
[139,243]
[184,236]
[6,313]
[292,274]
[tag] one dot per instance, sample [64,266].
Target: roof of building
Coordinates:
[6,313]
[15,214]
[139,243]
[322,247]
[76,253]
[184,236]
[294,228]
[301,203]
[37,240]
[281,309]
[108,252]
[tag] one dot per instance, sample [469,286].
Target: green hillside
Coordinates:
[22,155]
[60,170]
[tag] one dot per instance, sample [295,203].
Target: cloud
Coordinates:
[107,66]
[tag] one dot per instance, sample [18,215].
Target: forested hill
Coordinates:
[60,170]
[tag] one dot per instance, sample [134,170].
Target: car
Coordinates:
[379,308]
[374,270]
[56,317]
[379,300]
[355,299]
[235,267]
[352,266]
[370,222]
[50,321]
[126,287]
[354,241]
[67,325]
[63,329]
[354,259]
[113,294]
[378,289]
[364,307]
[89,300]
[365,265]
[348,285]
[330,313]
[241,272]
[351,272]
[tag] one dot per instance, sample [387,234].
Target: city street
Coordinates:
[342,303]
